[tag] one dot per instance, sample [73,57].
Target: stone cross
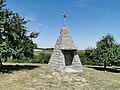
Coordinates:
[64,18]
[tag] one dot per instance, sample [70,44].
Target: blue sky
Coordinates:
[88,20]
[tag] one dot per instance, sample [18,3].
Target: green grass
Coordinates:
[42,51]
[42,77]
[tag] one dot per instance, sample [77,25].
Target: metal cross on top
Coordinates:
[64,18]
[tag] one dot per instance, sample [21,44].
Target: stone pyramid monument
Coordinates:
[64,57]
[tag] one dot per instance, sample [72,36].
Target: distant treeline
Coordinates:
[45,48]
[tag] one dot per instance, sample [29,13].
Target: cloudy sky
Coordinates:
[88,20]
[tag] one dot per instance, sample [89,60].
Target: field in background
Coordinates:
[27,76]
[38,51]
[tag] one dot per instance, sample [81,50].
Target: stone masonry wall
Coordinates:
[58,57]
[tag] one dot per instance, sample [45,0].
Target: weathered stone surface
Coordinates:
[64,57]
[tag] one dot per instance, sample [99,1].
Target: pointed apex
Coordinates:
[64,28]
[65,41]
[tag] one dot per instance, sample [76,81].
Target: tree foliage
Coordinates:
[107,52]
[14,42]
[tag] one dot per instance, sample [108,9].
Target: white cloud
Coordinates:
[82,3]
[34,24]
[38,27]
[30,17]
[30,8]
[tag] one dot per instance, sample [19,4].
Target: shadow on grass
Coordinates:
[11,68]
[114,70]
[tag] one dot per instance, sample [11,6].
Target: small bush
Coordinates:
[42,57]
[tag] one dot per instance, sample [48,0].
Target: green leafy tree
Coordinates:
[3,41]
[14,41]
[106,50]
[87,57]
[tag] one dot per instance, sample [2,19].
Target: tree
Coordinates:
[2,23]
[14,41]
[106,50]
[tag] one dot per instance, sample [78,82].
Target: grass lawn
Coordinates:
[41,77]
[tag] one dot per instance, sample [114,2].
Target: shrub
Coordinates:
[42,57]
